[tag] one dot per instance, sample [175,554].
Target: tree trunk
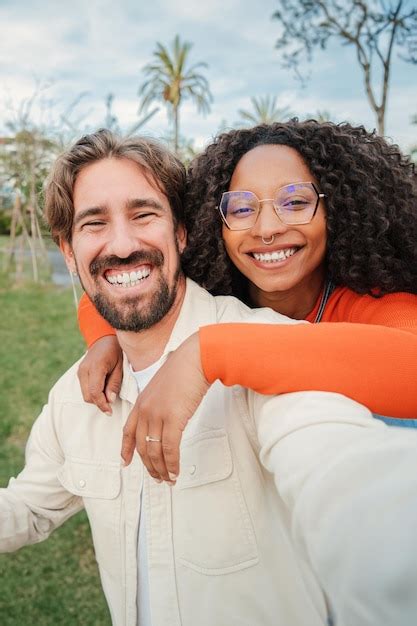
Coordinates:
[380,115]
[176,129]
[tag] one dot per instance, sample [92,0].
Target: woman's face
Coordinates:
[263,170]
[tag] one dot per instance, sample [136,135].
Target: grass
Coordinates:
[55,582]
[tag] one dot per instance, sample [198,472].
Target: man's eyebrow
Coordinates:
[139,203]
[91,212]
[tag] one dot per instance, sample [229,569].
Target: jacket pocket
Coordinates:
[213,532]
[99,485]
[91,479]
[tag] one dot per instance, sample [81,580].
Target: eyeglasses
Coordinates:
[294,204]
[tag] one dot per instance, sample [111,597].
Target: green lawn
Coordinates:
[55,582]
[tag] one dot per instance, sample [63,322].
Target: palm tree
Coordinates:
[170,80]
[265,111]
[112,123]
[320,115]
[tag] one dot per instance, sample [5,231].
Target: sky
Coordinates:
[84,50]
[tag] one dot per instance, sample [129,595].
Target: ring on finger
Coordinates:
[149,439]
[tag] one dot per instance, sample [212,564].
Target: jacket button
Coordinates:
[192,469]
[81,483]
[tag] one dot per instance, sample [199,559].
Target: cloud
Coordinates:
[101,46]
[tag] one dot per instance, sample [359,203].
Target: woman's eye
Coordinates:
[243,210]
[295,204]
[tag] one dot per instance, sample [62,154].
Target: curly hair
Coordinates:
[371,206]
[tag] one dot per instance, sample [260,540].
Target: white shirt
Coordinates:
[142,378]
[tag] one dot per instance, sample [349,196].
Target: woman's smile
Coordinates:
[297,251]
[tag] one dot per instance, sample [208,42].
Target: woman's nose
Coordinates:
[268,222]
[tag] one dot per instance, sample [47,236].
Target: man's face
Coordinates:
[125,246]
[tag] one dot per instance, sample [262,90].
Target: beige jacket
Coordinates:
[271,514]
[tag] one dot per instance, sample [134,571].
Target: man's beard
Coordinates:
[129,315]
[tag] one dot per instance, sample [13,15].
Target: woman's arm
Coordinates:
[374,365]
[92,325]
[373,361]
[100,373]
[366,348]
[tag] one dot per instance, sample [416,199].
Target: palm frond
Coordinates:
[169,79]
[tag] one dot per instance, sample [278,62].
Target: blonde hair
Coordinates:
[151,156]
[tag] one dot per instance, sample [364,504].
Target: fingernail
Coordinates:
[108,413]
[172,476]
[123,461]
[171,483]
[158,480]
[112,396]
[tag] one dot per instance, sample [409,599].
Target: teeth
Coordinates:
[277,255]
[128,279]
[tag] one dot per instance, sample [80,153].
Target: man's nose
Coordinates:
[123,240]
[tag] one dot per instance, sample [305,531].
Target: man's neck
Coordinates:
[147,346]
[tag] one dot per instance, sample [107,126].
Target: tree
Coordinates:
[25,158]
[413,148]
[321,115]
[265,111]
[26,155]
[371,27]
[111,120]
[171,81]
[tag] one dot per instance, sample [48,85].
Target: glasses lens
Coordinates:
[239,209]
[297,203]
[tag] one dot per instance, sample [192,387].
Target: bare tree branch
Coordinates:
[372,27]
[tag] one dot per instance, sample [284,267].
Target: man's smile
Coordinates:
[127,277]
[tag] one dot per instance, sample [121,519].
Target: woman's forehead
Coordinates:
[273,164]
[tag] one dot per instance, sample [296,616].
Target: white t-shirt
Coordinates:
[143,599]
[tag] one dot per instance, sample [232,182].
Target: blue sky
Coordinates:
[100,46]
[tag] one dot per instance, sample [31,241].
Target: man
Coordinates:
[280,504]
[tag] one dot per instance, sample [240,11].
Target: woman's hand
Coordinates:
[101,372]
[163,409]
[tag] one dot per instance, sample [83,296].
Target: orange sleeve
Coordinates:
[92,325]
[372,364]
[395,310]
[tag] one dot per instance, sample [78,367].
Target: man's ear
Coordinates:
[181,235]
[68,253]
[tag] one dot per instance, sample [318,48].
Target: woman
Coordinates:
[319,222]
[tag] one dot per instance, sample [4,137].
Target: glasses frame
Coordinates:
[276,209]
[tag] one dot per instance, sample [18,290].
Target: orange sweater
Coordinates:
[372,360]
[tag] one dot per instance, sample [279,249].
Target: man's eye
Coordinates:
[144,216]
[93,224]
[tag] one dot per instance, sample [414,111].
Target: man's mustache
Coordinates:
[99,265]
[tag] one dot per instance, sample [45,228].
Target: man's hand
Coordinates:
[163,409]
[101,372]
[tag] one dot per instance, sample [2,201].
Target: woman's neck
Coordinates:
[297,302]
